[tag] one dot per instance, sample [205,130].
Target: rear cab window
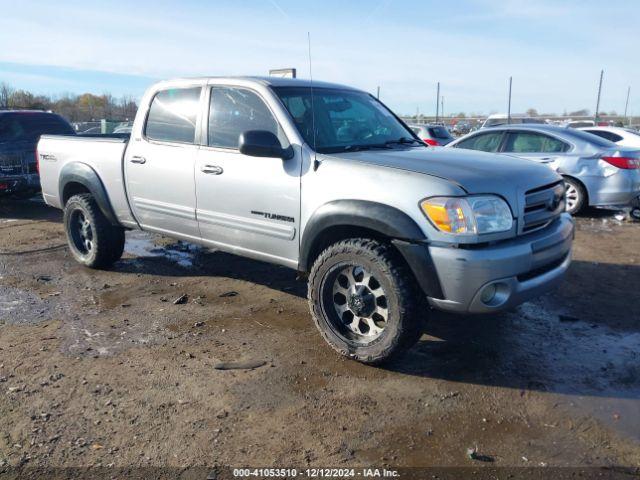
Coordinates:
[28,126]
[173,115]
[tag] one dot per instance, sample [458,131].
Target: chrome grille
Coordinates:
[542,205]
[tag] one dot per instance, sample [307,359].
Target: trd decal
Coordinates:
[274,216]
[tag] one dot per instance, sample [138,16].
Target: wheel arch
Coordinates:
[333,220]
[78,178]
[342,219]
[581,183]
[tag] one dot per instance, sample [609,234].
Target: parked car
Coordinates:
[91,131]
[123,129]
[326,180]
[596,171]
[433,135]
[19,134]
[498,119]
[625,137]
[580,123]
[462,128]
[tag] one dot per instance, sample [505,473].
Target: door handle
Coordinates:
[211,169]
[138,159]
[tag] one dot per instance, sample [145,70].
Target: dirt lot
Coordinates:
[101,368]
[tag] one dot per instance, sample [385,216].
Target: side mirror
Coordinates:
[261,143]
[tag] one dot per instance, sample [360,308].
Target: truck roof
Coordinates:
[269,81]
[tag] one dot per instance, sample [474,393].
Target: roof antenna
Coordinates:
[316,163]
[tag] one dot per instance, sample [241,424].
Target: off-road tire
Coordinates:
[404,325]
[581,199]
[107,240]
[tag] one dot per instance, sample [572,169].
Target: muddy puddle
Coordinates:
[145,245]
[20,307]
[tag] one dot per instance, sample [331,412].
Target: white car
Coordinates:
[625,137]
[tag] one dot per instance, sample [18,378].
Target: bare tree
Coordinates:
[5,93]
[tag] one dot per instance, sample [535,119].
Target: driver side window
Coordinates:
[233,111]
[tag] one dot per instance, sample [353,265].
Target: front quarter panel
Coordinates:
[338,179]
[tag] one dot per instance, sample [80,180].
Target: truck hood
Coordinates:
[475,172]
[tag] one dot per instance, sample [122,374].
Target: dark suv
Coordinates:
[19,134]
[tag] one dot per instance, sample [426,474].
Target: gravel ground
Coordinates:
[101,368]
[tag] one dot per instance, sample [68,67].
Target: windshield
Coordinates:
[345,120]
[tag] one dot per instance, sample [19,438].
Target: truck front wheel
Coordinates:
[93,241]
[364,300]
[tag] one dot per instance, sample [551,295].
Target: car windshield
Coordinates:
[344,120]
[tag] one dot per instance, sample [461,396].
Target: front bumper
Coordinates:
[516,270]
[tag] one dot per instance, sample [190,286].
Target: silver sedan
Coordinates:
[597,172]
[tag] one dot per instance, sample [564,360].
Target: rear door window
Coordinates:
[484,142]
[173,115]
[532,142]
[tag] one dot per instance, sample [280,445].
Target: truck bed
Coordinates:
[102,153]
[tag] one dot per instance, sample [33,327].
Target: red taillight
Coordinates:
[626,163]
[430,141]
[37,162]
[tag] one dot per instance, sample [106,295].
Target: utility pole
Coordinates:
[438,102]
[509,102]
[626,105]
[378,94]
[599,92]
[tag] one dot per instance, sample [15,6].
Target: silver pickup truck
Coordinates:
[326,180]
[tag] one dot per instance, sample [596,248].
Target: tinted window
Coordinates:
[588,137]
[439,132]
[485,142]
[233,111]
[531,142]
[29,126]
[343,119]
[612,137]
[173,114]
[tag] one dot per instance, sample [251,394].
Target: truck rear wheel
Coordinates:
[364,300]
[93,241]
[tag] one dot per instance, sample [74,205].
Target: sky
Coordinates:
[554,50]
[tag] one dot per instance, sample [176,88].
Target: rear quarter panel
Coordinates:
[104,156]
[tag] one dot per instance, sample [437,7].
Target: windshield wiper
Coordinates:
[358,148]
[404,141]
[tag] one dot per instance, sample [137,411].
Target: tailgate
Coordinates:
[17,158]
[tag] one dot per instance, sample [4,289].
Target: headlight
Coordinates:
[468,215]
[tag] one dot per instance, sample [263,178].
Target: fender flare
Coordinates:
[402,230]
[77,172]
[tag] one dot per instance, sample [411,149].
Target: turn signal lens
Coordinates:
[476,214]
[451,215]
